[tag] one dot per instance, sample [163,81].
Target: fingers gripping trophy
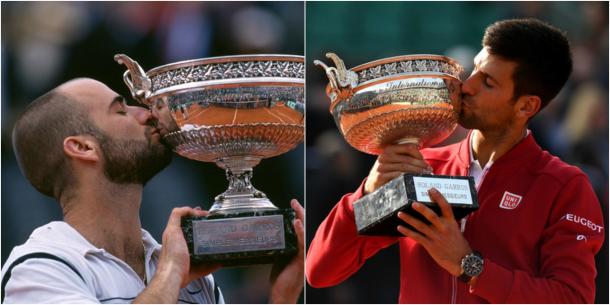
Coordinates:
[399,100]
[233,111]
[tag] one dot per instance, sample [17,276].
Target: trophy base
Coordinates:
[241,238]
[376,213]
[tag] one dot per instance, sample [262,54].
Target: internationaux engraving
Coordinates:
[413,91]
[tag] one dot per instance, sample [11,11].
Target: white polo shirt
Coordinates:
[83,273]
[475,167]
[476,171]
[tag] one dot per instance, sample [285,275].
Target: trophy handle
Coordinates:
[341,80]
[331,73]
[136,80]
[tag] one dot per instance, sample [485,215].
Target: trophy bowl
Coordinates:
[397,100]
[402,99]
[233,111]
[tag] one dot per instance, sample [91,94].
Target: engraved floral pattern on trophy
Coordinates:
[404,99]
[232,110]
[408,66]
[231,70]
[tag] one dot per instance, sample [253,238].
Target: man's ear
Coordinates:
[528,106]
[82,147]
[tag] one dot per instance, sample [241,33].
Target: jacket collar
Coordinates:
[524,151]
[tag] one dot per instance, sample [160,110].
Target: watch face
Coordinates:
[473,265]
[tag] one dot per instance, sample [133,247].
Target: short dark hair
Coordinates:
[38,138]
[541,51]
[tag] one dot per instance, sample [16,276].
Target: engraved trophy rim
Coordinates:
[224,59]
[405,75]
[397,58]
[156,73]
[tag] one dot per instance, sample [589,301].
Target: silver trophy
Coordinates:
[403,99]
[233,111]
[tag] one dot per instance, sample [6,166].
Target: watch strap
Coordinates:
[465,278]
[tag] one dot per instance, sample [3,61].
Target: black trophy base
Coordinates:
[241,239]
[376,213]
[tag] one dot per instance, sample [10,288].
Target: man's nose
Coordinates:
[468,85]
[154,112]
[144,116]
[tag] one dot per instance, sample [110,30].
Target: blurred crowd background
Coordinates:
[47,43]
[574,126]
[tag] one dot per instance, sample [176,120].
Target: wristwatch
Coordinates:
[472,266]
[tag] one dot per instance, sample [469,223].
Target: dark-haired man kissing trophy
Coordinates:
[539,225]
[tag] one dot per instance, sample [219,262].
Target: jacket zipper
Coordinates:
[454,290]
[463,229]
